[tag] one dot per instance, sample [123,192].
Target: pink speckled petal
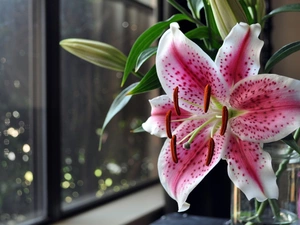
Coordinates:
[180,62]
[156,123]
[239,55]
[179,179]
[250,169]
[271,105]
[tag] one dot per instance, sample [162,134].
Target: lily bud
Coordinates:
[227,14]
[98,53]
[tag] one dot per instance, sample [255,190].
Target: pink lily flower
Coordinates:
[219,110]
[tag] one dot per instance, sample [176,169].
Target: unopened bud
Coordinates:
[227,14]
[98,53]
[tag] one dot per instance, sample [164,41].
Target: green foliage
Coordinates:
[285,8]
[149,82]
[282,53]
[144,56]
[195,6]
[118,104]
[145,40]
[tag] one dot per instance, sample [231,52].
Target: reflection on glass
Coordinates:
[126,159]
[20,181]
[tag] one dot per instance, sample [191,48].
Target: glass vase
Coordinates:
[285,210]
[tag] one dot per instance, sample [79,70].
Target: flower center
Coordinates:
[221,115]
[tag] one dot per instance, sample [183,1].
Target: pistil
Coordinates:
[192,135]
[173,149]
[210,153]
[207,93]
[175,100]
[168,124]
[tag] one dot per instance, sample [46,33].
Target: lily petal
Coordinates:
[250,169]
[180,62]
[156,123]
[239,55]
[179,179]
[271,107]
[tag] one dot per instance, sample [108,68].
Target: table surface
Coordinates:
[184,219]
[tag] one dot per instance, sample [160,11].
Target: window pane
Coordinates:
[126,159]
[21,112]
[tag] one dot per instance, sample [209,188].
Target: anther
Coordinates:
[175,100]
[173,149]
[207,93]
[168,124]
[224,120]
[210,153]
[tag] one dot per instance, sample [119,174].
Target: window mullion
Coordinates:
[53,108]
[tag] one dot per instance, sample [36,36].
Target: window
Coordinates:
[22,112]
[126,159]
[53,105]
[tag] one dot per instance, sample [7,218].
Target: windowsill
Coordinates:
[142,207]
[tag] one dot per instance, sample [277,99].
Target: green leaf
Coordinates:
[145,40]
[144,56]
[285,8]
[195,6]
[198,33]
[281,54]
[246,9]
[183,11]
[119,103]
[204,33]
[149,82]
[98,53]
[211,24]
[290,141]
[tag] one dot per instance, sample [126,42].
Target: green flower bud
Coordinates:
[227,14]
[98,53]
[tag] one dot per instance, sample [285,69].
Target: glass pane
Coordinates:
[21,112]
[126,159]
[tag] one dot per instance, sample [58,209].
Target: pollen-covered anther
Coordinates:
[210,153]
[168,124]
[173,149]
[207,93]
[175,100]
[224,120]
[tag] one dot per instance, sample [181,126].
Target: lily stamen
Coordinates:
[210,153]
[173,149]
[224,120]
[175,100]
[207,93]
[168,124]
